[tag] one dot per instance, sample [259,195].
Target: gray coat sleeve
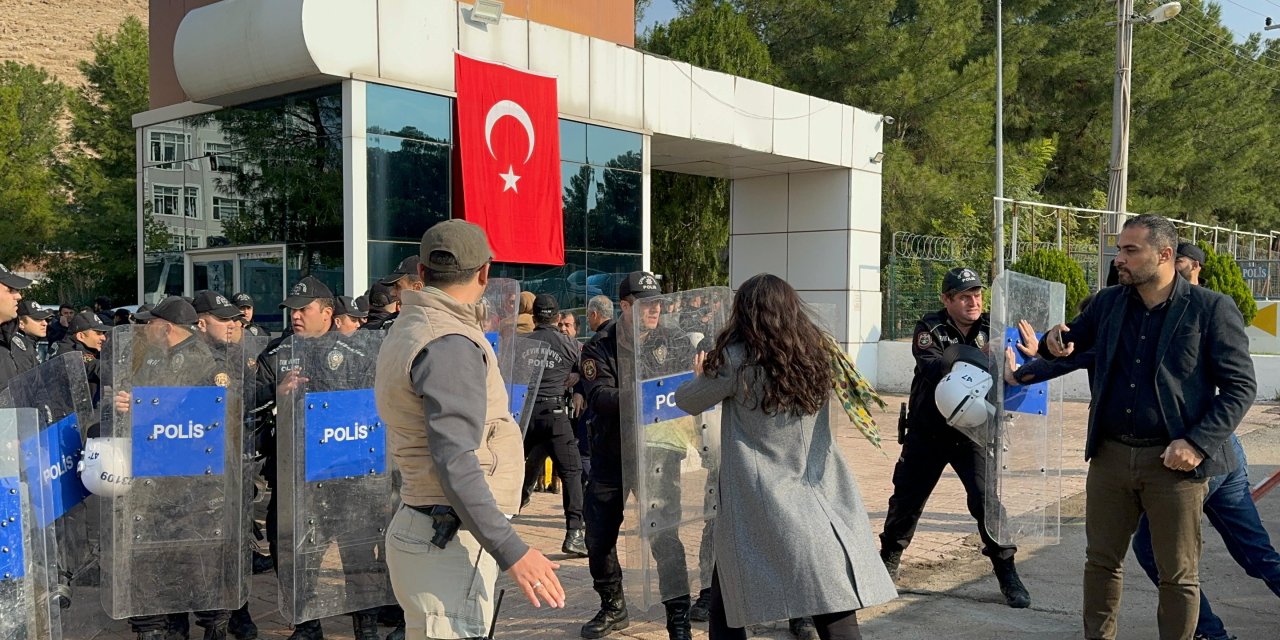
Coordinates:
[449,374]
[703,392]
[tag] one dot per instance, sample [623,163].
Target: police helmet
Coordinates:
[106,469]
[961,396]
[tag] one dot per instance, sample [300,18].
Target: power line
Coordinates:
[1171,35]
[1227,43]
[1247,8]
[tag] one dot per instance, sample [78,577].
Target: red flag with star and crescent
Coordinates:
[509,143]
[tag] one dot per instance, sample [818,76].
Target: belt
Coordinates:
[1131,441]
[433,509]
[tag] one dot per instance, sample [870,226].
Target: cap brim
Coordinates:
[40,315]
[14,281]
[357,314]
[296,302]
[638,295]
[224,314]
[144,315]
[392,279]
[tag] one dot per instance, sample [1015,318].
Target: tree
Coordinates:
[1220,272]
[1055,266]
[101,173]
[31,103]
[691,213]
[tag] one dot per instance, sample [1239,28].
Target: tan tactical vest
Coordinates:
[424,316]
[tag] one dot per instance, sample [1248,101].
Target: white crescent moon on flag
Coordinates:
[500,110]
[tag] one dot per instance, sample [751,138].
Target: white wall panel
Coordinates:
[753,115]
[506,42]
[413,31]
[617,84]
[836,302]
[846,135]
[759,205]
[712,110]
[865,195]
[667,96]
[865,272]
[752,254]
[870,309]
[818,260]
[567,56]
[791,124]
[825,130]
[819,201]
[868,140]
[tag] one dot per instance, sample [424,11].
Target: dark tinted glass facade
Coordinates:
[410,187]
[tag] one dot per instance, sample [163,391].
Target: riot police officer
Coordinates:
[86,334]
[244,302]
[550,424]
[930,444]
[33,327]
[606,492]
[383,307]
[13,359]
[311,309]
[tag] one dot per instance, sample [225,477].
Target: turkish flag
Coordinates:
[509,143]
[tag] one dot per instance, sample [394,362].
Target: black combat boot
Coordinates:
[153,635]
[891,560]
[803,629]
[310,630]
[397,633]
[241,626]
[1015,594]
[701,609]
[216,631]
[364,625]
[179,627]
[678,618]
[575,543]
[613,612]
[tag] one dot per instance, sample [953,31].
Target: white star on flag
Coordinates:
[509,179]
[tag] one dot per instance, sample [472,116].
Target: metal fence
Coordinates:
[916,263]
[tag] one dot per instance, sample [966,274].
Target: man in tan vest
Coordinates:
[459,451]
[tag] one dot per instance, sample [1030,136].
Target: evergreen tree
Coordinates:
[30,194]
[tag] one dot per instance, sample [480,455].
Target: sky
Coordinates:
[1241,16]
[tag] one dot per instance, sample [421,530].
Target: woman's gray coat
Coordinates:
[792,537]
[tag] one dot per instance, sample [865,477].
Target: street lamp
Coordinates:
[1118,178]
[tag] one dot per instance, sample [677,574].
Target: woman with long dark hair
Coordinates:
[791,536]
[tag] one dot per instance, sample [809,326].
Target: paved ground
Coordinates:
[946,584]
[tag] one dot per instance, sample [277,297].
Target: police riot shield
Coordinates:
[502,310]
[1025,440]
[59,392]
[335,492]
[174,526]
[670,459]
[29,608]
[522,377]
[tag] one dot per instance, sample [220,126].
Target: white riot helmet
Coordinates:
[106,469]
[961,396]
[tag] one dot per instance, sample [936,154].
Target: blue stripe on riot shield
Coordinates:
[1030,398]
[658,398]
[52,456]
[517,394]
[493,338]
[12,554]
[179,431]
[344,435]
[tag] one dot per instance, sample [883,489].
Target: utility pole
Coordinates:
[1118,177]
[997,266]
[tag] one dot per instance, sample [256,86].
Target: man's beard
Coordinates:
[1136,278]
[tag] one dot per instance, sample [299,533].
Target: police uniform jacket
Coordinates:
[17,354]
[256,330]
[934,333]
[92,362]
[379,319]
[559,356]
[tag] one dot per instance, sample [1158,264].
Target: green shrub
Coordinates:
[1221,273]
[1055,266]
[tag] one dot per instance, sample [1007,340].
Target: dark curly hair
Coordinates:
[771,323]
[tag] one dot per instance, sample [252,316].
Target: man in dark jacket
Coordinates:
[383,307]
[13,359]
[1173,379]
[244,302]
[33,330]
[86,334]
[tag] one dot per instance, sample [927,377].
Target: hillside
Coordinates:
[57,34]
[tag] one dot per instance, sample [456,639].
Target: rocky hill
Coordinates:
[57,34]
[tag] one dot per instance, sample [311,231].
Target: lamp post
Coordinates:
[997,266]
[1118,174]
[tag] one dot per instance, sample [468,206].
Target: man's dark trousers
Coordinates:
[550,424]
[925,455]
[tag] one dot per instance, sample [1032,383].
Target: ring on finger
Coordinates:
[537,585]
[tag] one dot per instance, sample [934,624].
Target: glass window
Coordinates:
[614,148]
[613,221]
[164,199]
[169,148]
[408,187]
[324,260]
[223,159]
[384,257]
[191,203]
[576,184]
[408,114]
[567,283]
[227,208]
[573,141]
